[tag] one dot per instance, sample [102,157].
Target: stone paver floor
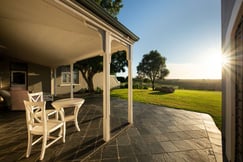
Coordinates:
[158,134]
[164,134]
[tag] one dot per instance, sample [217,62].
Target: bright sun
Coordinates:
[213,63]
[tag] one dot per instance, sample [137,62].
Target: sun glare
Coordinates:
[209,66]
[224,60]
[213,63]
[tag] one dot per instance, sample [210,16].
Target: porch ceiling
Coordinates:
[43,32]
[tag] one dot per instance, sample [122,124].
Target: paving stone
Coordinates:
[128,159]
[184,145]
[110,160]
[123,139]
[202,143]
[158,158]
[149,139]
[155,148]
[144,158]
[96,156]
[197,133]
[180,135]
[133,132]
[109,152]
[125,151]
[162,137]
[168,146]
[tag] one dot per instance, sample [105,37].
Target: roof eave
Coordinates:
[101,13]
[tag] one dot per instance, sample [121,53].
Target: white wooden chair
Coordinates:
[39,125]
[38,96]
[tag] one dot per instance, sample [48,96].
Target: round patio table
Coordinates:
[62,104]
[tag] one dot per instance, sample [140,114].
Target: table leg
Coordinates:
[61,111]
[76,110]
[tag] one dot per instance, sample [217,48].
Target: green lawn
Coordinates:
[194,100]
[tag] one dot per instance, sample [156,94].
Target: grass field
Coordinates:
[194,100]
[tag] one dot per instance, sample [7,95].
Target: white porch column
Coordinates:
[55,81]
[52,82]
[106,87]
[130,95]
[71,85]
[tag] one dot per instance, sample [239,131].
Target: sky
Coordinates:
[186,32]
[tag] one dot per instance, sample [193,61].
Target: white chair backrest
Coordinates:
[36,97]
[32,114]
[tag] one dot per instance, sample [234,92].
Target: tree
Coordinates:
[153,66]
[111,6]
[89,67]
[118,62]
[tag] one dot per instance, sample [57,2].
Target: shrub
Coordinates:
[121,79]
[124,86]
[146,80]
[165,89]
[98,90]
[145,87]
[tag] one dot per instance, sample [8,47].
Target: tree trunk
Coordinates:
[89,80]
[90,84]
[152,81]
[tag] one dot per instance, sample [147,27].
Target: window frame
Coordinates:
[68,80]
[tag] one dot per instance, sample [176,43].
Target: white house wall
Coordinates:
[97,80]
[232,12]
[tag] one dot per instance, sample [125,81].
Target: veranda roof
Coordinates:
[58,32]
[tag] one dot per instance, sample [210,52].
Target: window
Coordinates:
[18,78]
[66,76]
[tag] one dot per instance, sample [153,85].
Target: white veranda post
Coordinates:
[71,77]
[106,87]
[53,81]
[130,95]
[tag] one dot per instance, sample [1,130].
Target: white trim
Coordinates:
[229,83]
[231,24]
[68,85]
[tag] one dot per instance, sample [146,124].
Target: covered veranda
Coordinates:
[54,33]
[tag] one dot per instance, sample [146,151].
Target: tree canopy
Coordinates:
[152,66]
[118,62]
[111,6]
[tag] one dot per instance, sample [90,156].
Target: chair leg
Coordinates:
[30,138]
[43,149]
[63,129]
[56,115]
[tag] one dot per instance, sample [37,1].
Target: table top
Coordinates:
[67,102]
